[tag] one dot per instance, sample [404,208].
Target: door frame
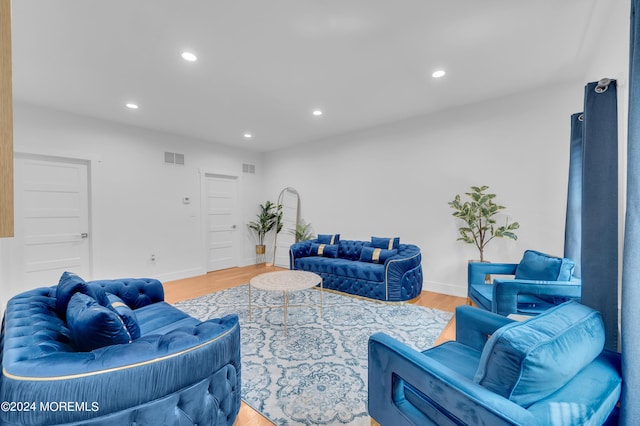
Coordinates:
[237,242]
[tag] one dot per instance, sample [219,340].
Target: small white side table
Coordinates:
[285,281]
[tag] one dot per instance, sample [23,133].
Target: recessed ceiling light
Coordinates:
[317,112]
[132,106]
[188,56]
[247,135]
[438,74]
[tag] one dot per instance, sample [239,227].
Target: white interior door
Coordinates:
[221,221]
[52,220]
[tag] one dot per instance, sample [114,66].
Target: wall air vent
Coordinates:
[174,158]
[249,168]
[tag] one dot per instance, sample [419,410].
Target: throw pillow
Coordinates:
[93,326]
[527,361]
[70,284]
[542,267]
[126,314]
[376,255]
[325,250]
[328,238]
[385,243]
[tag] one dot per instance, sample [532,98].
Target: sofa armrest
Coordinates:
[135,292]
[474,325]
[477,271]
[145,370]
[449,397]
[298,250]
[403,273]
[505,292]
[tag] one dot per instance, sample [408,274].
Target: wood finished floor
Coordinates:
[189,288]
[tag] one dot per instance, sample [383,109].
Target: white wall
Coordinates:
[137,204]
[393,180]
[396,180]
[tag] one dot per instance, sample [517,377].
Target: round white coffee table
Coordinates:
[285,281]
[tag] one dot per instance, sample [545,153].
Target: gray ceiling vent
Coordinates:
[174,158]
[249,168]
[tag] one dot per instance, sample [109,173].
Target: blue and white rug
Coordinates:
[317,373]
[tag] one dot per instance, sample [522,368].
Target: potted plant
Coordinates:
[270,217]
[302,232]
[478,213]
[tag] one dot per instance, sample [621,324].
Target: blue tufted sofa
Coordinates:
[398,278]
[180,371]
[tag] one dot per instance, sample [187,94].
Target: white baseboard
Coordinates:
[252,261]
[178,275]
[444,288]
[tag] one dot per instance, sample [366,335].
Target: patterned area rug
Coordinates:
[317,373]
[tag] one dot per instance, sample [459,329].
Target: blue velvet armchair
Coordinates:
[549,370]
[537,283]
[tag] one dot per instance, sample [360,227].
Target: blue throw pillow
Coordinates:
[70,284]
[542,267]
[328,238]
[93,326]
[126,314]
[325,250]
[530,360]
[376,255]
[385,243]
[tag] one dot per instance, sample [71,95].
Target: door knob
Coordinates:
[84,235]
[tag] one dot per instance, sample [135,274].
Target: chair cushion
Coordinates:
[527,361]
[126,314]
[328,238]
[359,270]
[326,250]
[542,267]
[385,243]
[482,294]
[376,255]
[157,317]
[93,326]
[70,284]
[318,264]
[457,356]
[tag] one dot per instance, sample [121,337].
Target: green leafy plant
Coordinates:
[478,215]
[270,217]
[302,232]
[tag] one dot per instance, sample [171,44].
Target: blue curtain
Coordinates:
[573,225]
[599,217]
[591,229]
[630,344]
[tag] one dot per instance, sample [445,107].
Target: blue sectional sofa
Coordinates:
[179,371]
[362,268]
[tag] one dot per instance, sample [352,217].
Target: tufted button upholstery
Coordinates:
[400,278]
[135,292]
[183,372]
[350,249]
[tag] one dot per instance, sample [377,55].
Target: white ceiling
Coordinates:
[265,65]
